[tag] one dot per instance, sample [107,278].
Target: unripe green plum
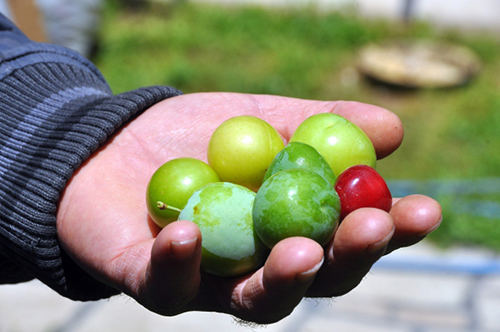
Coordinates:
[301,155]
[173,184]
[223,212]
[241,149]
[296,202]
[340,142]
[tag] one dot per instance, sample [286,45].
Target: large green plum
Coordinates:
[241,149]
[172,185]
[223,212]
[339,141]
[301,155]
[296,202]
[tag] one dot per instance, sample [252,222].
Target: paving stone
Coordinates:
[387,300]
[420,289]
[377,303]
[429,317]
[487,304]
[345,324]
[32,306]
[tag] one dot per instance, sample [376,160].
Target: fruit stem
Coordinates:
[163,206]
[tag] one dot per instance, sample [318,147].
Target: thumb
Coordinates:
[173,276]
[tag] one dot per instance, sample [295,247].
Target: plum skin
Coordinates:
[339,141]
[241,149]
[362,186]
[172,184]
[301,155]
[223,212]
[296,202]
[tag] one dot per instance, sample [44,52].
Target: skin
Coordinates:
[160,268]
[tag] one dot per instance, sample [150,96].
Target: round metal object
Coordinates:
[418,64]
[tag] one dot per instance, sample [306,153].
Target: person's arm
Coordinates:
[65,206]
[55,110]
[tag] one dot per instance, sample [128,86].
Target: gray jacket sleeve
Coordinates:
[55,110]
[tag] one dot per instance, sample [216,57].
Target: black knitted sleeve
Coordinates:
[55,110]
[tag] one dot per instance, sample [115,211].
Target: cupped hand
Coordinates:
[104,226]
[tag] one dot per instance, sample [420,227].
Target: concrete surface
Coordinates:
[417,289]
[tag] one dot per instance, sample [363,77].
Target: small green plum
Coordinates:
[241,149]
[340,142]
[296,202]
[172,184]
[223,212]
[301,155]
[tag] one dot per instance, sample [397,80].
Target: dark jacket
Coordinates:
[55,110]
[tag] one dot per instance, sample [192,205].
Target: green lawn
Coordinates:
[449,134]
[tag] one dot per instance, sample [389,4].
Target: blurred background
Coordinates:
[436,64]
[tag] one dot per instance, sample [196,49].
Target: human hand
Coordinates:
[103,223]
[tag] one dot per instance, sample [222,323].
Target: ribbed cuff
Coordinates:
[53,117]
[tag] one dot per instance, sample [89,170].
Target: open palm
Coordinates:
[104,226]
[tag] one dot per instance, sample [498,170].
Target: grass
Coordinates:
[449,134]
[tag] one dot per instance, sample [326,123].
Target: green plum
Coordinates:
[241,149]
[339,141]
[223,212]
[173,184]
[296,202]
[301,155]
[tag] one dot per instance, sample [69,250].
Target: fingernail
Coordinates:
[380,245]
[183,249]
[427,232]
[309,274]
